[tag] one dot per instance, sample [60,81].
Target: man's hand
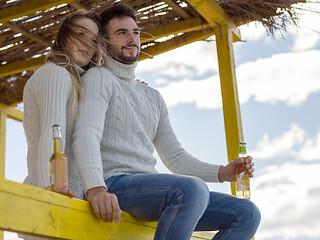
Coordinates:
[105,205]
[228,172]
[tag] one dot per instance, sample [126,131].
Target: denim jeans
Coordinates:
[183,204]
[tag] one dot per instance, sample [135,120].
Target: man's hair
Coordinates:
[120,11]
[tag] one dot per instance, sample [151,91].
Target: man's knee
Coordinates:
[251,213]
[195,191]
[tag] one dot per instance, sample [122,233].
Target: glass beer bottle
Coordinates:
[58,164]
[243,179]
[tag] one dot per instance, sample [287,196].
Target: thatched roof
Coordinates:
[26,38]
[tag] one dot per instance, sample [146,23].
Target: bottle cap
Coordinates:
[56,129]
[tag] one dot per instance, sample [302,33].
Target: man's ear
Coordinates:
[104,46]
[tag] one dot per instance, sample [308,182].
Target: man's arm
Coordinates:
[181,162]
[87,136]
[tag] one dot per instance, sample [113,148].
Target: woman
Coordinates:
[52,93]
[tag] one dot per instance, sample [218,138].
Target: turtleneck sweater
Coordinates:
[120,123]
[47,99]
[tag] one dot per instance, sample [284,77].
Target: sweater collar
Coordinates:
[80,70]
[123,71]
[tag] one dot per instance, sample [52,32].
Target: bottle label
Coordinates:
[243,182]
[242,149]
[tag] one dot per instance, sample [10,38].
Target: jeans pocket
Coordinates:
[109,180]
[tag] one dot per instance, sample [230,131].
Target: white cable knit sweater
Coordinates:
[47,100]
[120,122]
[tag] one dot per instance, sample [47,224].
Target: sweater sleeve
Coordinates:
[52,88]
[174,156]
[88,129]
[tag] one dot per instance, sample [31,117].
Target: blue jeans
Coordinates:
[183,204]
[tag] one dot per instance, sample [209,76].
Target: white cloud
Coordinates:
[161,81]
[278,146]
[288,77]
[252,31]
[311,150]
[308,40]
[194,59]
[306,34]
[204,93]
[289,198]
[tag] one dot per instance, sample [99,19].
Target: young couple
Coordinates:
[111,124]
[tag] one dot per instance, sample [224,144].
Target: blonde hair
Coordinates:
[59,53]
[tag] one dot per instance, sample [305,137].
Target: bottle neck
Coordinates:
[242,155]
[57,146]
[242,150]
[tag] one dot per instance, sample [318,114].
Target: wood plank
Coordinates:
[175,43]
[215,15]
[178,9]
[11,112]
[77,5]
[185,26]
[25,32]
[32,210]
[229,92]
[28,8]
[3,118]
[17,67]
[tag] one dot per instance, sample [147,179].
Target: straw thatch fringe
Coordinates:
[273,14]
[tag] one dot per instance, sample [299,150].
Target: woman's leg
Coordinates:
[177,202]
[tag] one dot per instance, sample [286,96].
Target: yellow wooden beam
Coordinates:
[214,14]
[229,92]
[175,43]
[27,209]
[17,67]
[189,25]
[25,32]
[11,112]
[77,5]
[3,117]
[28,8]
[178,9]
[2,151]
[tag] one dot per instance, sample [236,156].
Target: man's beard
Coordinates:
[120,56]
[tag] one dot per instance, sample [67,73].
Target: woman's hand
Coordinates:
[69,193]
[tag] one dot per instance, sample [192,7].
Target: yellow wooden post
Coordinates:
[2,150]
[229,92]
[3,117]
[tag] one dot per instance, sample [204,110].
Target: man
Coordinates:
[120,122]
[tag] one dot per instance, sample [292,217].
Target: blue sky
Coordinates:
[279,91]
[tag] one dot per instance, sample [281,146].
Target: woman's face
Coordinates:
[83,53]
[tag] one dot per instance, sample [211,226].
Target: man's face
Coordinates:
[124,39]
